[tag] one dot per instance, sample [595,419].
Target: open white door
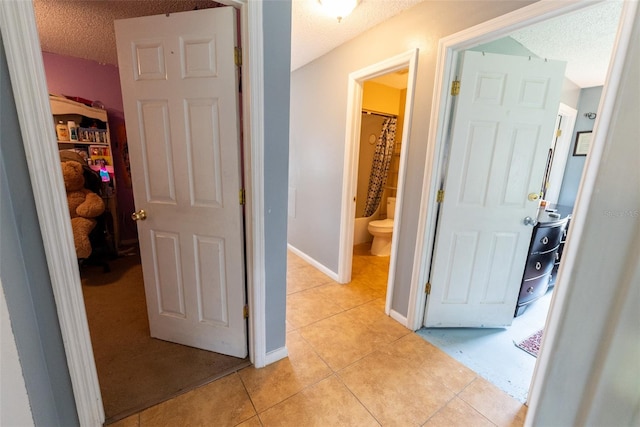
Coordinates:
[180,92]
[503,122]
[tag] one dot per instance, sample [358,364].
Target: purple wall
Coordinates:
[75,77]
[87,79]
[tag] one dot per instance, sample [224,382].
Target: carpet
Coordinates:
[136,371]
[531,344]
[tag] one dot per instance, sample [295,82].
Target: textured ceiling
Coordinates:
[314,33]
[84,29]
[584,39]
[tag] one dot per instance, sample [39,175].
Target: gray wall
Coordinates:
[588,103]
[318,121]
[277,59]
[25,277]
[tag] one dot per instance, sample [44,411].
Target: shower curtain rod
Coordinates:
[377,113]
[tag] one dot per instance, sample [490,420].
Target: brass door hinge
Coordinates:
[245,311]
[455,87]
[558,132]
[241,196]
[440,196]
[237,56]
[427,288]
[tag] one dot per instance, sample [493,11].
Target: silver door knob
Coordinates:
[528,221]
[141,215]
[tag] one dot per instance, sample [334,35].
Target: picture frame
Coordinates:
[582,144]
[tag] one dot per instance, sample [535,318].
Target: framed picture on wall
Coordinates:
[583,142]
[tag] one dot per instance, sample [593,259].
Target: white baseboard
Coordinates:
[399,318]
[275,355]
[313,262]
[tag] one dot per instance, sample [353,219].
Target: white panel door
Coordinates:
[502,124]
[180,92]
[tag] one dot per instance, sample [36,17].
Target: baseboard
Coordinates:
[313,262]
[275,355]
[399,318]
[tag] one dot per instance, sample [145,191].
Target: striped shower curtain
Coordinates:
[380,166]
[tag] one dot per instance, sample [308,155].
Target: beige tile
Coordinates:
[373,317]
[280,380]
[374,281]
[132,421]
[371,271]
[457,413]
[306,277]
[289,327]
[500,408]
[347,337]
[224,402]
[294,262]
[396,394]
[306,307]
[420,355]
[327,403]
[251,422]
[347,296]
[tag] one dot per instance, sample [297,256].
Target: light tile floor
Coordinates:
[349,365]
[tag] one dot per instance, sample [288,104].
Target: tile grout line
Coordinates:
[357,398]
[469,403]
[253,405]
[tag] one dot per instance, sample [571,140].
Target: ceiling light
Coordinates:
[338,8]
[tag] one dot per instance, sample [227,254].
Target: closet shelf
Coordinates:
[83,143]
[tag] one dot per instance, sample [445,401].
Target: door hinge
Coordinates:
[241,196]
[427,288]
[455,87]
[245,311]
[558,132]
[237,56]
[440,196]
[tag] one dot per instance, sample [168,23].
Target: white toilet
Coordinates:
[381,230]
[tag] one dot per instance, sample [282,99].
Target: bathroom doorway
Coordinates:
[380,148]
[377,93]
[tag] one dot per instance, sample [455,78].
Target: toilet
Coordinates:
[381,230]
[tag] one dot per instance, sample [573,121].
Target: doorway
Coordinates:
[125,355]
[379,152]
[444,106]
[407,61]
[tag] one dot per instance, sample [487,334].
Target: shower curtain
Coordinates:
[380,166]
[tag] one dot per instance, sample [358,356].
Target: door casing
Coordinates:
[447,63]
[355,90]
[24,58]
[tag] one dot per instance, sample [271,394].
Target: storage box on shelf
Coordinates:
[90,138]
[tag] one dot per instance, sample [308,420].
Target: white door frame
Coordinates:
[24,58]
[355,90]
[448,49]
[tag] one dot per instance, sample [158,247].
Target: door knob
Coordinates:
[141,215]
[528,221]
[533,197]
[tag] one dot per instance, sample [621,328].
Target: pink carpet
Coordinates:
[531,344]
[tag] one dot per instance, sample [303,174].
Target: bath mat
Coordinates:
[531,344]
